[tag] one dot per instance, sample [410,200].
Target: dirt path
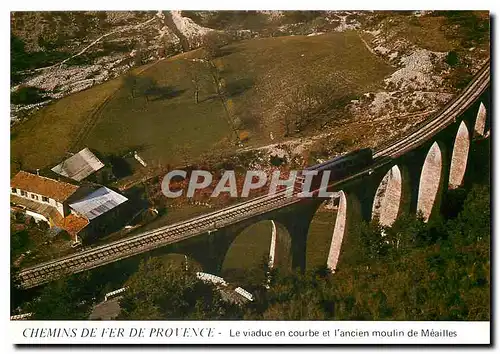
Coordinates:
[367,45]
[124,29]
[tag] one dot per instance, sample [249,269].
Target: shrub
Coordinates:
[452,58]
[27,95]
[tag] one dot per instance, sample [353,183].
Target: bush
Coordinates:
[452,58]
[27,95]
[212,43]
[470,27]
[277,161]
[460,78]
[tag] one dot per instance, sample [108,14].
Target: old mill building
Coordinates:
[83,211]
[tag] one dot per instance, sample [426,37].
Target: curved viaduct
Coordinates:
[409,174]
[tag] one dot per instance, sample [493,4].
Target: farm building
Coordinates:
[106,210]
[45,199]
[86,211]
[79,166]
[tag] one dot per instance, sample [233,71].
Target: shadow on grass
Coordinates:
[228,50]
[233,89]
[237,87]
[164,93]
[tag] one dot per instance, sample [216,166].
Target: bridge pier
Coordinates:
[296,219]
[292,225]
[207,249]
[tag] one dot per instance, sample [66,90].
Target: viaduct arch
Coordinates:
[480,124]
[338,233]
[387,199]
[430,180]
[459,157]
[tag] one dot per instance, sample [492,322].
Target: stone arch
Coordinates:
[338,233]
[430,179]
[253,245]
[387,201]
[319,233]
[479,126]
[459,157]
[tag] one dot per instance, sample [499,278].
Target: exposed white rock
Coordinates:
[393,55]
[380,102]
[314,34]
[393,103]
[382,50]
[166,35]
[188,27]
[417,71]
[344,26]
[272,14]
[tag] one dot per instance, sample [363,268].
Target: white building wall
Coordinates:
[59,206]
[37,217]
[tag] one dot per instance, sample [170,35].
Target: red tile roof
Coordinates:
[73,224]
[47,187]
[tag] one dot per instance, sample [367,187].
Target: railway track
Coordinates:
[147,241]
[102,255]
[421,132]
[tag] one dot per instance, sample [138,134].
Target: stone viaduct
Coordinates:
[413,176]
[415,182]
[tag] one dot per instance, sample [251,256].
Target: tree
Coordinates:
[27,95]
[164,290]
[146,86]
[473,222]
[194,71]
[220,89]
[410,271]
[70,298]
[300,16]
[17,295]
[140,85]
[212,42]
[139,56]
[452,58]
[130,84]
[18,58]
[304,105]
[169,47]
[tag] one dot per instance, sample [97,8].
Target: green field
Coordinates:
[250,248]
[170,128]
[252,245]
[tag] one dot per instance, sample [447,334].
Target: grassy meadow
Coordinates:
[171,128]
